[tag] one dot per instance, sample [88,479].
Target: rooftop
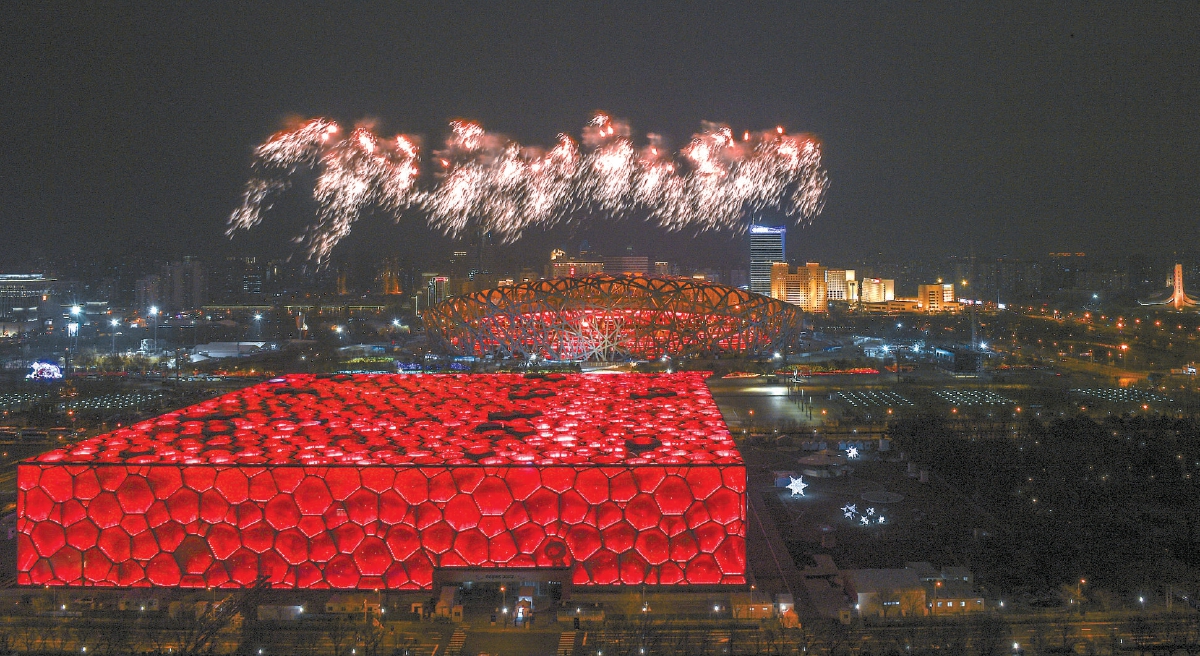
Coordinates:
[388,419]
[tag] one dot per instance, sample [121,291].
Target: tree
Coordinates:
[371,636]
[988,634]
[1064,628]
[340,634]
[834,636]
[1141,632]
[887,599]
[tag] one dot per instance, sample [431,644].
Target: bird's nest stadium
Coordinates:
[614,318]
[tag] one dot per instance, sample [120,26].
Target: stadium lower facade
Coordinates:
[382,481]
[614,318]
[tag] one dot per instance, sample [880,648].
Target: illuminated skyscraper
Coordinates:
[1177,297]
[803,286]
[766,248]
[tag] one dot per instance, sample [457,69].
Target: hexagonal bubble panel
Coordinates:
[371,527]
[404,421]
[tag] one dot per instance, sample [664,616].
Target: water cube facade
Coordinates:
[375,481]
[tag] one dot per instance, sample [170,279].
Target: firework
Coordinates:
[484,181]
[354,174]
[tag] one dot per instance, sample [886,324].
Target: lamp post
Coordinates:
[114,323]
[154,313]
[73,327]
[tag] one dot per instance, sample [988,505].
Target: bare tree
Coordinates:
[887,599]
[1064,628]
[1141,632]
[115,638]
[371,636]
[340,634]
[989,632]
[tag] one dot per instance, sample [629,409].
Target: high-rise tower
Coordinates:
[766,248]
[1177,298]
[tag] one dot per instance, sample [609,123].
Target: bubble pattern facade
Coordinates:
[87,520]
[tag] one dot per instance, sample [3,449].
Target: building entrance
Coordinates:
[505,596]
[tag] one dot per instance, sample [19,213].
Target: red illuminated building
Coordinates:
[614,318]
[378,481]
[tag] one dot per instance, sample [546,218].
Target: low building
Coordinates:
[957,361]
[824,464]
[950,590]
[954,598]
[753,605]
[825,589]
[892,306]
[280,612]
[886,593]
[138,602]
[352,604]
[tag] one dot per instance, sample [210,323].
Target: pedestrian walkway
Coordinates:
[456,643]
[566,644]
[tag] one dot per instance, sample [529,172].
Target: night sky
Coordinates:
[1007,130]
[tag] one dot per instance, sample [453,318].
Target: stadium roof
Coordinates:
[614,318]
[398,420]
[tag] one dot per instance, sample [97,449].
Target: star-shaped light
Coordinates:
[850,509]
[865,520]
[881,519]
[797,486]
[852,452]
[870,511]
[849,515]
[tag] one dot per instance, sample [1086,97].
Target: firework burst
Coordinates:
[485,181]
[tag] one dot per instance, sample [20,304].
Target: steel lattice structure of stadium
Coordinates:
[614,317]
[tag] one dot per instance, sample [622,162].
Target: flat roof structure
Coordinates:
[375,481]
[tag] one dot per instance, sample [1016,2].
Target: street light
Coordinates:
[73,331]
[114,323]
[154,313]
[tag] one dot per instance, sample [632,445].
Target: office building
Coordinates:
[22,294]
[562,268]
[626,264]
[766,248]
[803,286]
[936,298]
[180,285]
[837,284]
[437,288]
[877,290]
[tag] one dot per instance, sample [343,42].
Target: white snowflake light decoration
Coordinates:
[852,452]
[797,486]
